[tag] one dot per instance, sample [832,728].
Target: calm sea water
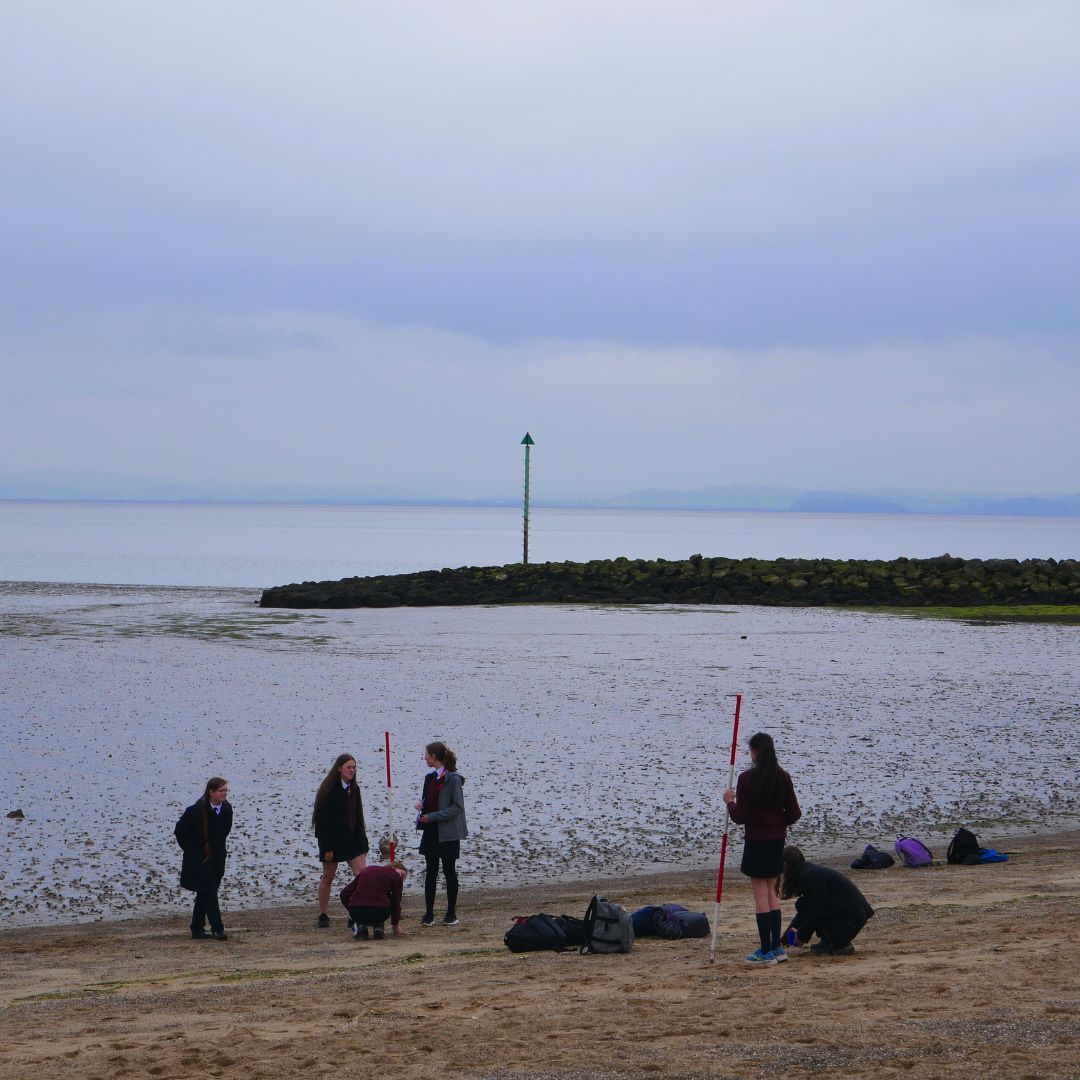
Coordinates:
[261,545]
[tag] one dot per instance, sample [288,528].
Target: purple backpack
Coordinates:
[912,852]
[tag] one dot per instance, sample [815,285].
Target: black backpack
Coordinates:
[963,848]
[873,859]
[534,933]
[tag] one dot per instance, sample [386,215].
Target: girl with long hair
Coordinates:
[441,819]
[828,903]
[764,802]
[338,821]
[201,833]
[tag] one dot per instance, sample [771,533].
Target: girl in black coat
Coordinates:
[201,833]
[338,821]
[828,904]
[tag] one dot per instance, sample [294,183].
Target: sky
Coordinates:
[825,246]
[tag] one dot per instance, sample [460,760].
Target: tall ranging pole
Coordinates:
[389,801]
[528,443]
[723,843]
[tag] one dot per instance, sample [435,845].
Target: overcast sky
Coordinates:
[817,245]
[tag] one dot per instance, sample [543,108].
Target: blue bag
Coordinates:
[642,920]
[673,921]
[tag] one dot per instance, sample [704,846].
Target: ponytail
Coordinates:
[443,754]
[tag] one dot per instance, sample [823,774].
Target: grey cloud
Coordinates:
[718,173]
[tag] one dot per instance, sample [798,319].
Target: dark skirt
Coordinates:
[762,858]
[430,845]
[345,854]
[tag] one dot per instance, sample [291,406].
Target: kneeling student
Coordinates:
[374,896]
[827,904]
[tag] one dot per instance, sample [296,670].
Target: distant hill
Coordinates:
[848,502]
[89,486]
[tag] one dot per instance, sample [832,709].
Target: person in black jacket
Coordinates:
[828,904]
[338,821]
[201,833]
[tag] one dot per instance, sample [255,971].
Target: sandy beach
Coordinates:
[964,971]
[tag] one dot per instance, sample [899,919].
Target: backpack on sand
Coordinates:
[534,933]
[608,928]
[573,928]
[912,852]
[673,921]
[873,859]
[963,848]
[642,921]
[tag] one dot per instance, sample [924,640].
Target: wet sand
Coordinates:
[593,740]
[964,971]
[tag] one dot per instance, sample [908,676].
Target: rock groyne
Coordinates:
[941,581]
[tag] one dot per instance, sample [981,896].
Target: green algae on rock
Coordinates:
[943,581]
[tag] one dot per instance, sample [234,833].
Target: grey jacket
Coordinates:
[451,812]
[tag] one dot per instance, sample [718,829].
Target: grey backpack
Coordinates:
[608,927]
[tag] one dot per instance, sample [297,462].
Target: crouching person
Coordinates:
[827,904]
[374,896]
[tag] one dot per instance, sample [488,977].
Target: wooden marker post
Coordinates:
[723,842]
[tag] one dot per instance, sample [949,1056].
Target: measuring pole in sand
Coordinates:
[527,442]
[723,842]
[389,799]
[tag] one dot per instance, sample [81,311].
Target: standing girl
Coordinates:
[201,833]
[338,820]
[764,801]
[442,820]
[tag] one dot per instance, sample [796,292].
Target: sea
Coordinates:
[594,740]
[259,545]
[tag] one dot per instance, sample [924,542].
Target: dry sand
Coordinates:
[963,972]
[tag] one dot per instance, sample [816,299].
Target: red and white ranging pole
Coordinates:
[723,842]
[389,800]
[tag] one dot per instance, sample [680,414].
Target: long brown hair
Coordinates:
[768,786]
[787,884]
[443,754]
[215,783]
[329,780]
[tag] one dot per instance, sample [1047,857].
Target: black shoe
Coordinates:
[324,921]
[200,935]
[428,920]
[822,948]
[450,920]
[219,935]
[378,933]
[360,932]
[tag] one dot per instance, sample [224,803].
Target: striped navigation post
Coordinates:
[527,442]
[723,843]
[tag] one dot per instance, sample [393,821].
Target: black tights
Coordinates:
[431,880]
[206,907]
